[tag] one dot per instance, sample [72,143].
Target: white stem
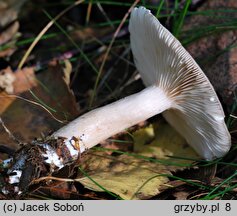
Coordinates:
[102,123]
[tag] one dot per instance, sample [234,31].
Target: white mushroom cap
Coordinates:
[162,61]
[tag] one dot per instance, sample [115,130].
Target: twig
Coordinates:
[9,132]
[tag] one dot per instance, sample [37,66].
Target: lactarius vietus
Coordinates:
[176,87]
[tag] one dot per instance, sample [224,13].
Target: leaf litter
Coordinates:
[132,177]
[38,104]
[128,175]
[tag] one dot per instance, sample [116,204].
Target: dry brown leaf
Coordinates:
[27,121]
[9,10]
[181,195]
[6,80]
[9,33]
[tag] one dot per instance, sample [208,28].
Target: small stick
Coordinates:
[9,132]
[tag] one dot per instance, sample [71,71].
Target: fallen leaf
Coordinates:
[126,176]
[9,33]
[134,176]
[181,195]
[23,117]
[9,25]
[6,80]
[166,144]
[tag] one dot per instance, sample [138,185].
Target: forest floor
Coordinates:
[60,59]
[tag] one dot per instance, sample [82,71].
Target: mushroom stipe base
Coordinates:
[39,158]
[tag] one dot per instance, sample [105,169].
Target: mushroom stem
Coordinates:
[101,123]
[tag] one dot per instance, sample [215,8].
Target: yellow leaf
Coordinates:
[133,175]
[126,176]
[166,144]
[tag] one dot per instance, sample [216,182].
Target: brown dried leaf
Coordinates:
[9,27]
[27,121]
[6,80]
[9,33]
[181,195]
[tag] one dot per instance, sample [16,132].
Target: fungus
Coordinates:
[176,87]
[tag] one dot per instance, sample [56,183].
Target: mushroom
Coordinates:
[176,87]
